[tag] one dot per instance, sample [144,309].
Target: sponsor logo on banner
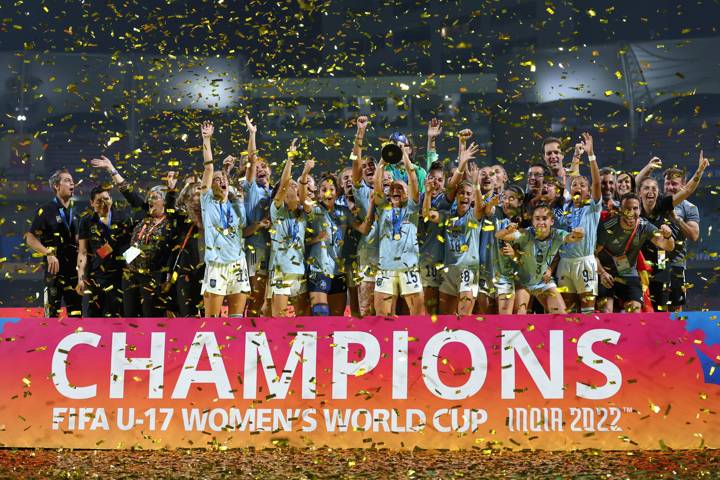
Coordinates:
[615,381]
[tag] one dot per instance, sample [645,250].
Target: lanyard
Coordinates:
[398,215]
[226,217]
[142,236]
[184,244]
[575,216]
[335,225]
[632,236]
[293,229]
[63,215]
[106,228]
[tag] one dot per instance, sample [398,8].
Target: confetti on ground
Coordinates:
[335,463]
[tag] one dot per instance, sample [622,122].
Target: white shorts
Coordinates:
[457,280]
[540,288]
[366,273]
[289,284]
[500,287]
[578,275]
[226,278]
[257,262]
[392,282]
[430,275]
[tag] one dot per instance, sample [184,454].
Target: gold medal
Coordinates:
[225,231]
[397,236]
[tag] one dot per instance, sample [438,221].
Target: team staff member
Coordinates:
[53,234]
[104,236]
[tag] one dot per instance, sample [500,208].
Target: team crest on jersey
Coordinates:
[213,282]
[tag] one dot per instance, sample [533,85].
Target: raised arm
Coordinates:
[378,195]
[428,214]
[577,155]
[287,171]
[413,187]
[362,123]
[433,132]
[251,172]
[309,165]
[104,163]
[654,164]
[207,130]
[692,185]
[466,155]
[588,146]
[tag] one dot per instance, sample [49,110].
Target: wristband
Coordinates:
[592,158]
[209,162]
[114,172]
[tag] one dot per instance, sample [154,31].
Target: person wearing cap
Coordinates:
[397,220]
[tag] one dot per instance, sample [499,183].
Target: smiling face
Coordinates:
[262,174]
[673,184]
[65,187]
[311,188]
[464,198]
[535,179]
[542,221]
[220,185]
[553,156]
[368,170]
[101,203]
[512,202]
[437,180]
[387,180]
[291,193]
[156,203]
[328,193]
[398,193]
[346,181]
[580,190]
[607,186]
[649,191]
[624,184]
[630,211]
[486,175]
[549,190]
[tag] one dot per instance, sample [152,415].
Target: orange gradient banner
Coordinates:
[616,381]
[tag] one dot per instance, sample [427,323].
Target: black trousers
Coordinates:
[186,290]
[59,287]
[104,299]
[142,295]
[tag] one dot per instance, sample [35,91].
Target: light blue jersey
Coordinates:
[288,240]
[326,256]
[399,249]
[223,223]
[535,256]
[462,238]
[257,206]
[501,266]
[586,217]
[368,246]
[430,234]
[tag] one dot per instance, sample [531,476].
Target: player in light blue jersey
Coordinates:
[288,214]
[461,226]
[257,190]
[430,238]
[501,285]
[328,229]
[226,272]
[577,269]
[397,219]
[536,247]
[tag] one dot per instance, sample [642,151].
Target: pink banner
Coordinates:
[537,381]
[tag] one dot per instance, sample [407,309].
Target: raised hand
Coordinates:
[229,163]
[292,151]
[309,165]
[362,123]
[102,162]
[468,154]
[655,163]
[579,150]
[588,143]
[703,164]
[429,185]
[465,133]
[207,129]
[172,180]
[252,129]
[434,128]
[474,172]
